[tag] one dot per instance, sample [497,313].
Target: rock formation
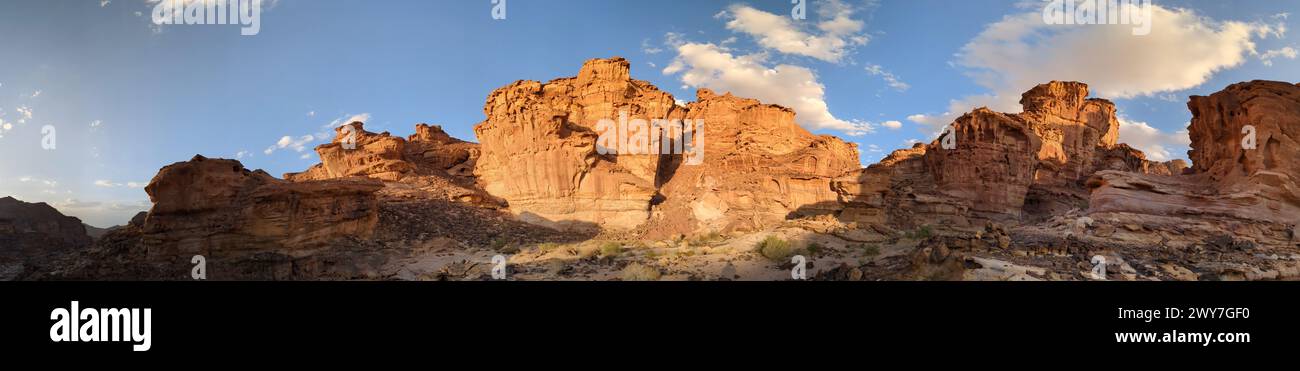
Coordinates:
[1034,195]
[1005,167]
[540,155]
[357,152]
[217,207]
[35,233]
[1234,174]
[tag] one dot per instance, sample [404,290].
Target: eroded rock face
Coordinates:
[539,147]
[759,169]
[539,154]
[1229,179]
[1004,167]
[218,208]
[429,151]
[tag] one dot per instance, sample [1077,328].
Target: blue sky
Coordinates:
[128,97]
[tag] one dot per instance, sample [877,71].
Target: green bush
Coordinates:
[871,250]
[499,243]
[775,249]
[814,248]
[921,233]
[548,247]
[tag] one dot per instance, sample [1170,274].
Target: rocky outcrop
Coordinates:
[1232,175]
[760,168]
[1004,167]
[539,147]
[540,154]
[216,207]
[357,152]
[35,233]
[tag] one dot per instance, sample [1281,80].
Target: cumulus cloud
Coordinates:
[710,66]
[892,125]
[833,38]
[1183,50]
[1157,145]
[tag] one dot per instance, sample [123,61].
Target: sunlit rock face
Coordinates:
[539,153]
[1245,159]
[997,166]
[216,207]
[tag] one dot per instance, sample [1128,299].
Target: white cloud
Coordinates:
[1286,52]
[301,143]
[710,66]
[104,3]
[298,144]
[45,182]
[1157,145]
[647,48]
[344,120]
[839,32]
[26,112]
[890,79]
[243,154]
[327,131]
[1183,50]
[892,125]
[96,123]
[110,184]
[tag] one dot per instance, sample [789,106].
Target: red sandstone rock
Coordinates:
[1229,179]
[218,208]
[540,155]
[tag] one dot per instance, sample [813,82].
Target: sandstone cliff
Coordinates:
[1232,176]
[218,208]
[540,154]
[1004,167]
